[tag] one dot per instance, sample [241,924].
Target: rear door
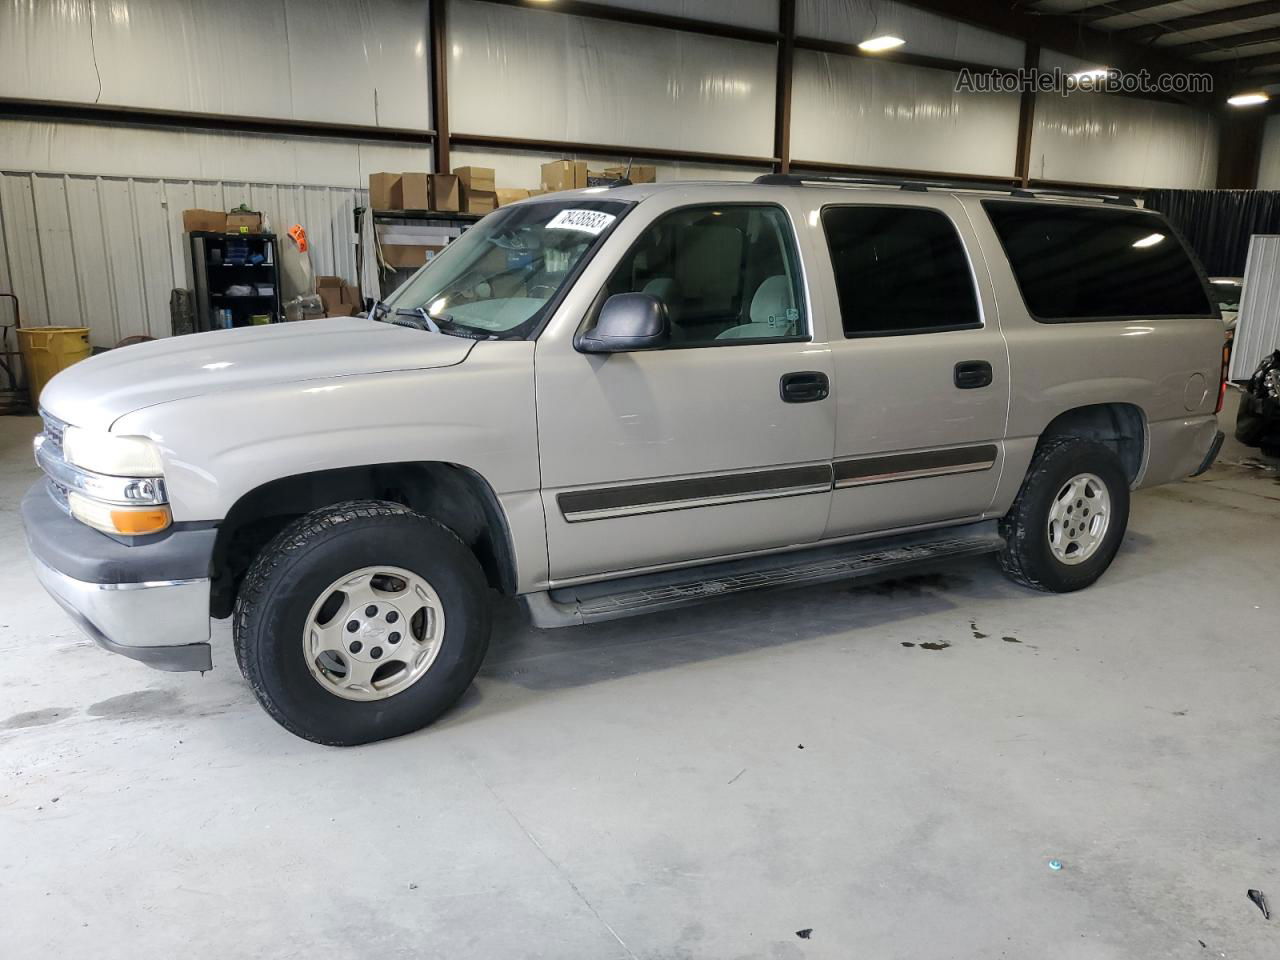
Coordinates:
[697,450]
[921,368]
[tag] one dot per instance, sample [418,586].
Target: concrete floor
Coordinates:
[700,785]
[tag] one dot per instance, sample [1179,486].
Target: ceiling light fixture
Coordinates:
[881,44]
[1248,99]
[1150,240]
[1091,72]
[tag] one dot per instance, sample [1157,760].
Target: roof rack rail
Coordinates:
[922,186]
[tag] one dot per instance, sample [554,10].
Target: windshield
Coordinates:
[499,277]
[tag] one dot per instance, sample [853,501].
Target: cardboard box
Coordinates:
[640,172]
[244,222]
[330,291]
[411,192]
[478,201]
[445,193]
[409,254]
[477,178]
[511,195]
[381,187]
[351,297]
[564,175]
[211,221]
[340,310]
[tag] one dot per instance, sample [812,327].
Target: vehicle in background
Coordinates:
[620,400]
[1226,293]
[1258,419]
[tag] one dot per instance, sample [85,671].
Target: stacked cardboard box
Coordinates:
[208,221]
[340,299]
[411,192]
[414,190]
[508,195]
[564,175]
[383,191]
[639,173]
[445,193]
[479,191]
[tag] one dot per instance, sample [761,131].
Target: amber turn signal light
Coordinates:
[135,523]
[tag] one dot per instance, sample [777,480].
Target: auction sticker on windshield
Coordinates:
[588,221]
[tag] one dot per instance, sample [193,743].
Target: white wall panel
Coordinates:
[761,14]
[345,61]
[541,75]
[852,21]
[874,113]
[139,152]
[1269,164]
[1106,139]
[105,252]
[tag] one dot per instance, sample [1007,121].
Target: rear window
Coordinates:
[1097,263]
[899,270]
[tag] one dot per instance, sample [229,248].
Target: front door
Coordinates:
[698,450]
[921,371]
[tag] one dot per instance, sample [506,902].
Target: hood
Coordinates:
[98,391]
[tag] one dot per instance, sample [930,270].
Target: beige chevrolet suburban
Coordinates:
[617,400]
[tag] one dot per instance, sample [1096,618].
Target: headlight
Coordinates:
[110,454]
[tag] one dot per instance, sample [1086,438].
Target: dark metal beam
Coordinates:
[15,107]
[1210,18]
[439,39]
[1113,8]
[1243,65]
[563,147]
[644,18]
[1236,42]
[1026,120]
[782,85]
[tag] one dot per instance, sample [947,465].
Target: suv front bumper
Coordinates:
[148,601]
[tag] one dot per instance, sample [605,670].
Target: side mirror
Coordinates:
[627,321]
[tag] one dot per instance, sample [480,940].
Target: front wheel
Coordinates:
[1065,527]
[361,621]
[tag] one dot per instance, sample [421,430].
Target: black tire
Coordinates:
[290,574]
[1027,558]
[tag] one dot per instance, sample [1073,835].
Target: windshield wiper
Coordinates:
[420,313]
[443,323]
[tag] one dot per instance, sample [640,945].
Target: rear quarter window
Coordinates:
[1079,263]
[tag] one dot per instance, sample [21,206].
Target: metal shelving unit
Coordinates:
[222,260]
[427,226]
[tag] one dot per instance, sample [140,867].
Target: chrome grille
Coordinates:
[50,442]
[54,429]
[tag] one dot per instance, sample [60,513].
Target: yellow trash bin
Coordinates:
[46,350]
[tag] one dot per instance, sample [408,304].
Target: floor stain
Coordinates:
[140,705]
[1010,639]
[907,643]
[977,634]
[35,718]
[934,646]
[911,586]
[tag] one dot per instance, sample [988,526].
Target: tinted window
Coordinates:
[899,270]
[725,273]
[1093,263]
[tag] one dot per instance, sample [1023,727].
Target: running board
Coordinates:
[651,592]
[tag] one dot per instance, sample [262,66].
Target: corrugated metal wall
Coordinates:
[105,252]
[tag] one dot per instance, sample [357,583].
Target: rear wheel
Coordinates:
[1065,527]
[360,622]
